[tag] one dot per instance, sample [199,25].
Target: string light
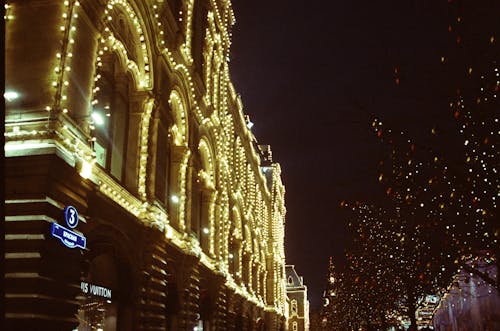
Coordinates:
[441,214]
[219,113]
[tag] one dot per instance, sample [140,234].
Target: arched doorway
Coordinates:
[105,300]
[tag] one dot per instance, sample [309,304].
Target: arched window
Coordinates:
[110,115]
[205,182]
[295,326]
[294,308]
[179,127]
[162,173]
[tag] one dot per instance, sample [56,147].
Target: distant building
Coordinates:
[137,197]
[296,291]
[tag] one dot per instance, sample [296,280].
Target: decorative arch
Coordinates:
[207,176]
[123,38]
[105,237]
[129,30]
[180,127]
[183,80]
[207,173]
[180,156]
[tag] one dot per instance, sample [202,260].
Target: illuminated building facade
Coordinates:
[124,110]
[296,291]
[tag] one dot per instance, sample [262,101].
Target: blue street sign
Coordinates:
[68,238]
[71,216]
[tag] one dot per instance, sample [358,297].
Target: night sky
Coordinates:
[311,75]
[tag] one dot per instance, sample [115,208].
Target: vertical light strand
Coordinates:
[67,54]
[145,123]
[182,184]
[186,47]
[66,28]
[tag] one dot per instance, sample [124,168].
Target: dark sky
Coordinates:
[310,73]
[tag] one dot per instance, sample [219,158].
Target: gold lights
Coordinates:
[208,121]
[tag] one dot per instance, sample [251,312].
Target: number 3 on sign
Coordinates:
[71,216]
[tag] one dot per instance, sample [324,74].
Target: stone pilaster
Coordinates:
[220,313]
[190,293]
[230,312]
[153,291]
[272,322]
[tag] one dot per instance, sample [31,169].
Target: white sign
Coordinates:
[95,290]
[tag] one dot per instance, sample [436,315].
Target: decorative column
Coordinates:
[153,292]
[244,312]
[207,217]
[178,175]
[272,322]
[218,293]
[231,310]
[189,284]
[138,106]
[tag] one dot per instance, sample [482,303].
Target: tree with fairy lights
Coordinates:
[441,209]
[444,212]
[417,184]
[365,293]
[373,264]
[342,308]
[474,64]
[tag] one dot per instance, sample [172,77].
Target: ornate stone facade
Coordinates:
[125,110]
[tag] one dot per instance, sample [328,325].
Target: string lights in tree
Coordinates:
[403,243]
[440,211]
[378,263]
[475,62]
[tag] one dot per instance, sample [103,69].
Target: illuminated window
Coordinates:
[295,326]
[110,116]
[162,162]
